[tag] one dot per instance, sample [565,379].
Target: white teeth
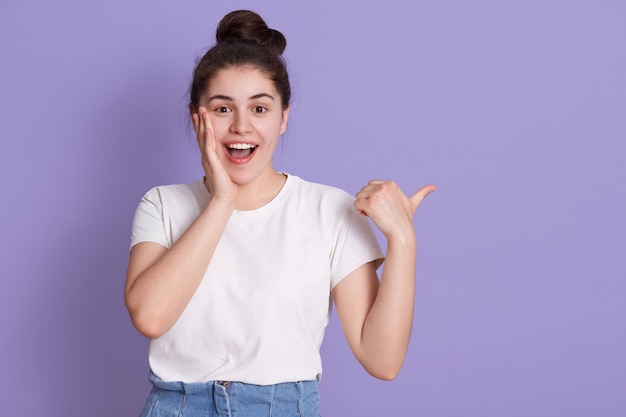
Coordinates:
[241,146]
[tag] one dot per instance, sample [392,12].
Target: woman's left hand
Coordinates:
[388,207]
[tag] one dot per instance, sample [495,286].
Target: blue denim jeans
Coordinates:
[231,399]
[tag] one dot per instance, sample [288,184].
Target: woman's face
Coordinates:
[248,118]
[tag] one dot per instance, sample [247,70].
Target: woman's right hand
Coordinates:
[217,179]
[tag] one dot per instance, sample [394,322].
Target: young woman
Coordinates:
[231,276]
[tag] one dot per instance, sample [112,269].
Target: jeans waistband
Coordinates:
[194,387]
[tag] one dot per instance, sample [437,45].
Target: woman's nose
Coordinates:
[240,124]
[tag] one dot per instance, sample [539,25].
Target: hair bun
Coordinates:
[244,26]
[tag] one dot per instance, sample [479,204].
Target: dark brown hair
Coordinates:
[243,39]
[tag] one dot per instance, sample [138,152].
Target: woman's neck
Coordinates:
[258,193]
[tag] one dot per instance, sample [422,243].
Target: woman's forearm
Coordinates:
[161,282]
[387,328]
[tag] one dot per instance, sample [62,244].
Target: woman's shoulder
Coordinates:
[177,192]
[320,198]
[315,189]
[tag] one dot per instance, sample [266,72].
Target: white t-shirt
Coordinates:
[260,312]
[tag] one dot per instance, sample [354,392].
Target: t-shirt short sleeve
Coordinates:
[149,222]
[355,245]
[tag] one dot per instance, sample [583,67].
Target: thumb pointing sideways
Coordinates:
[419,196]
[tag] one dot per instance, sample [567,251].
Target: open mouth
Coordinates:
[240,150]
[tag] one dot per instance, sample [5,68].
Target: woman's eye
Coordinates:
[259,109]
[222,109]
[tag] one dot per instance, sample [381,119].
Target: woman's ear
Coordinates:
[195,121]
[283,126]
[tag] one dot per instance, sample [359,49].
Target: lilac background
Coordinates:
[515,109]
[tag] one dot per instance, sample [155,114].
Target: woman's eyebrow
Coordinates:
[257,96]
[227,98]
[220,97]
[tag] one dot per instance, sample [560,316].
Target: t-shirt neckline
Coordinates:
[261,211]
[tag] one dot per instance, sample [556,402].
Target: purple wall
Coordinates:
[516,110]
